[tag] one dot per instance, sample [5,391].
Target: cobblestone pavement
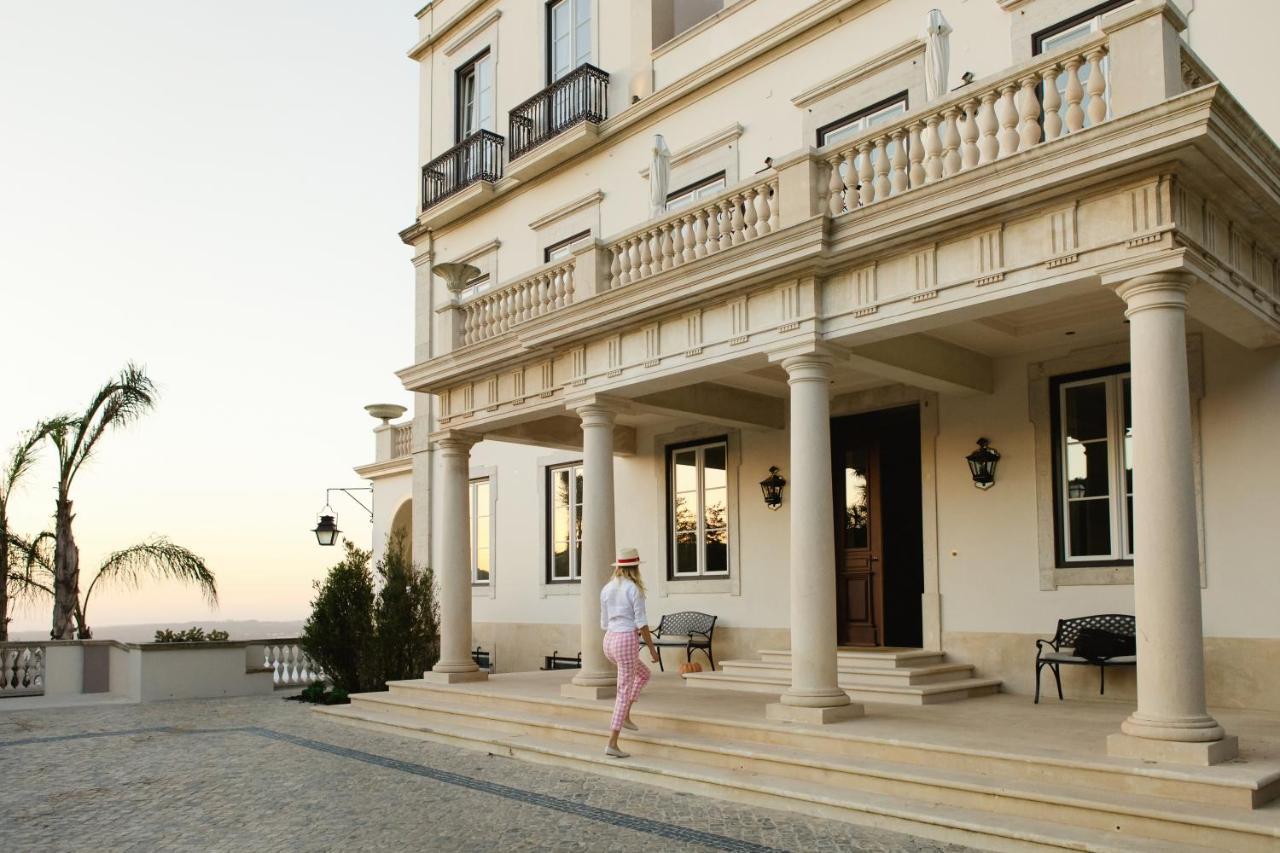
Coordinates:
[264,774]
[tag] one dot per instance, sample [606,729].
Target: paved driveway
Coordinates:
[264,774]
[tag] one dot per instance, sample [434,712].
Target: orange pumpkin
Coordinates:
[686,668]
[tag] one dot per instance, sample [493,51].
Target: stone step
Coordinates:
[954,803]
[878,658]
[859,691]
[853,675]
[1201,786]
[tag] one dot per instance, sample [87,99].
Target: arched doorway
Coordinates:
[402,526]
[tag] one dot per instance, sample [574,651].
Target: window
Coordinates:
[481,532]
[1093,468]
[852,125]
[564,523]
[568,36]
[698,509]
[560,251]
[1073,31]
[673,17]
[475,96]
[687,195]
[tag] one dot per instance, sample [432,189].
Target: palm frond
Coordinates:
[159,559]
[23,588]
[122,400]
[21,458]
[36,554]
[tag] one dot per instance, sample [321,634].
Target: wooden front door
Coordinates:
[859,543]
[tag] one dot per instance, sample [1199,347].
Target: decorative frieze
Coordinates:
[578,366]
[517,387]
[615,356]
[925,264]
[1062,242]
[491,392]
[988,251]
[548,372]
[789,297]
[739,323]
[468,399]
[693,333]
[652,345]
[866,295]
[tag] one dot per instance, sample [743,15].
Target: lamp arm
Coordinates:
[348,492]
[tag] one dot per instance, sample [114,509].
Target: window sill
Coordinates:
[678,586]
[1117,575]
[561,588]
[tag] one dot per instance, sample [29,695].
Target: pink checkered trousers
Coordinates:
[621,648]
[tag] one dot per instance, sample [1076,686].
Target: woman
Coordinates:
[623,618]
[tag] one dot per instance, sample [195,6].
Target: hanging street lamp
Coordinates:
[772,488]
[982,464]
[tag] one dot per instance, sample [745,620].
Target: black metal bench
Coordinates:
[686,630]
[1068,634]
[556,661]
[483,659]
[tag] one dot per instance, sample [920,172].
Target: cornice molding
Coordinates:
[567,209]
[858,73]
[387,468]
[698,28]
[473,31]
[415,53]
[476,251]
[702,146]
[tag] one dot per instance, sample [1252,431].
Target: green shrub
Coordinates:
[317,694]
[338,635]
[406,618]
[190,635]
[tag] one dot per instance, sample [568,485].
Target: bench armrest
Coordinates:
[1040,644]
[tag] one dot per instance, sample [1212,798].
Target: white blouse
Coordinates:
[622,606]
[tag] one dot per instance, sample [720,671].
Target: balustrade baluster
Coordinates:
[969,136]
[932,150]
[665,253]
[655,249]
[544,294]
[1075,94]
[735,228]
[749,217]
[713,229]
[898,182]
[881,166]
[1097,87]
[988,145]
[762,210]
[726,224]
[677,243]
[633,254]
[866,177]
[698,233]
[1052,103]
[685,224]
[775,215]
[615,267]
[1029,109]
[646,255]
[915,144]
[568,284]
[468,324]
[1007,113]
[950,142]
[835,185]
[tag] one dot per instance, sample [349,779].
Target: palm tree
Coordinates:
[159,559]
[20,460]
[117,403]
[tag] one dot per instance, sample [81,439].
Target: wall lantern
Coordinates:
[982,464]
[326,529]
[772,488]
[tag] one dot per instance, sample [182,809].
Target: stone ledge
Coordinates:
[819,716]
[1201,754]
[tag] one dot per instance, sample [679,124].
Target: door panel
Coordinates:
[859,567]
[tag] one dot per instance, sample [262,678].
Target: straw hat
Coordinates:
[627,557]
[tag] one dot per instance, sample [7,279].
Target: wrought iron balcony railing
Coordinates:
[581,95]
[476,158]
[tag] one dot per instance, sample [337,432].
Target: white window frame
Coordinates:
[1074,34]
[474,521]
[1118,449]
[475,95]
[687,195]
[856,123]
[575,500]
[699,450]
[568,22]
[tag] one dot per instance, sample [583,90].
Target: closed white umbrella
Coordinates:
[937,55]
[659,176]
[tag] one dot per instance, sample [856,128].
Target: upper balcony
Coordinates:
[577,100]
[476,161]
[1063,169]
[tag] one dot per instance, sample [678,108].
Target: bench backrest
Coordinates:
[687,622]
[1117,623]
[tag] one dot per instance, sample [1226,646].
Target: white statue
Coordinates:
[659,176]
[937,55]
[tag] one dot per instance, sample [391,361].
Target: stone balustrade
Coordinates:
[989,122]
[402,441]
[289,664]
[712,225]
[22,669]
[498,311]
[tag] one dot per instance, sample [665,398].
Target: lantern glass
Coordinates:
[982,464]
[771,487]
[326,530]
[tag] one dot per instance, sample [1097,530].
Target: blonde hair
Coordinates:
[631,573]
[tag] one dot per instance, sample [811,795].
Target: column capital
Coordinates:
[455,441]
[1155,290]
[597,407]
[811,349]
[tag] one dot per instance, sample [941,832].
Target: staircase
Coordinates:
[718,744]
[900,676]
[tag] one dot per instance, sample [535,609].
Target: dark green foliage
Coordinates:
[190,635]
[339,633]
[317,694]
[406,617]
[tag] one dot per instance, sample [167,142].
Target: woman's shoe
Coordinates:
[627,724]
[614,752]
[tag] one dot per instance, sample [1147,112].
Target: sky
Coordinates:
[212,190]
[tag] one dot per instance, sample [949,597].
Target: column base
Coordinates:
[588,691]
[433,677]
[781,713]
[1201,753]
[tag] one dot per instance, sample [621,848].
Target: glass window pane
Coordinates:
[577,559]
[581,31]
[482,565]
[560,488]
[1088,474]
[686,466]
[1086,411]
[560,525]
[717,551]
[685,513]
[1128,543]
[716,511]
[857,510]
[686,553]
[560,561]
[1090,523]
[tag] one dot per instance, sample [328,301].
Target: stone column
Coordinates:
[815,695]
[597,679]
[1171,722]
[453,562]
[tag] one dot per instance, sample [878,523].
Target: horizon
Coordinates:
[192,173]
